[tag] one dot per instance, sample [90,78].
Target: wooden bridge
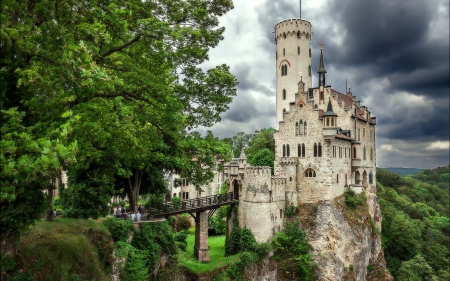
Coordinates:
[191,206]
[201,209]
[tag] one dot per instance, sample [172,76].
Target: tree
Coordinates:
[416,269]
[261,140]
[238,142]
[264,157]
[130,70]
[27,166]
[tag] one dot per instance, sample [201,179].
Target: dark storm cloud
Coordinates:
[246,82]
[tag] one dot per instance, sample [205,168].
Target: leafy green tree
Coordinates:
[260,140]
[416,269]
[130,70]
[264,157]
[238,142]
[294,252]
[27,166]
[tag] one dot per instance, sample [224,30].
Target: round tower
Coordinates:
[293,56]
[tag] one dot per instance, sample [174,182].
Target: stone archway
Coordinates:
[236,189]
[357,178]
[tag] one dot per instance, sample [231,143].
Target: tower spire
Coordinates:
[321,69]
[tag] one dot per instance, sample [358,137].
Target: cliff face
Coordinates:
[346,241]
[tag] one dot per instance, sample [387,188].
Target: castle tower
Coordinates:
[293,61]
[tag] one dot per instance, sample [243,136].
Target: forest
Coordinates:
[416,226]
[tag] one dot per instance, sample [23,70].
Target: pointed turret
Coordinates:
[321,71]
[330,111]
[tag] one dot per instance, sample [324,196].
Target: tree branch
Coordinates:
[135,39]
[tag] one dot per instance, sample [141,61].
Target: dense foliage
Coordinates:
[416,225]
[293,252]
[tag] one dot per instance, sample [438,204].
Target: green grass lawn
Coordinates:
[216,253]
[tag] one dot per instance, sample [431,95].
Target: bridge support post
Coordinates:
[201,248]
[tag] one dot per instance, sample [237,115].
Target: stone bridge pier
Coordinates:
[201,248]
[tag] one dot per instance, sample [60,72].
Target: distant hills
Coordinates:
[402,171]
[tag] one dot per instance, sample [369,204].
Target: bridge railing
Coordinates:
[191,204]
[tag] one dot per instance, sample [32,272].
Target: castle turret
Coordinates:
[293,56]
[329,122]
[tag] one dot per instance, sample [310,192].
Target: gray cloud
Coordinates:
[394,53]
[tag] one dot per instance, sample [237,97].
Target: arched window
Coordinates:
[328,121]
[319,153]
[370,177]
[303,150]
[364,153]
[301,127]
[309,71]
[310,173]
[315,150]
[304,128]
[288,153]
[354,152]
[371,154]
[337,178]
[298,50]
[284,35]
[309,52]
[284,150]
[284,52]
[298,34]
[285,69]
[332,122]
[284,94]
[296,128]
[299,150]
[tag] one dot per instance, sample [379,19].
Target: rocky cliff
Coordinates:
[346,238]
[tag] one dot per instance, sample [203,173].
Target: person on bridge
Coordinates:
[138,216]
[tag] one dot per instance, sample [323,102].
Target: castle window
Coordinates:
[370,177]
[298,50]
[174,195]
[332,122]
[359,134]
[296,128]
[319,152]
[301,150]
[298,34]
[302,126]
[371,154]
[304,129]
[315,150]
[284,150]
[310,53]
[354,152]
[364,153]
[284,35]
[309,71]
[337,178]
[284,70]
[364,132]
[328,121]
[288,153]
[284,52]
[371,134]
[284,94]
[290,178]
[310,173]
[345,151]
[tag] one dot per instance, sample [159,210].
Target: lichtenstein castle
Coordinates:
[324,141]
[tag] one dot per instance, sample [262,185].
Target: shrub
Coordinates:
[182,223]
[290,210]
[135,267]
[180,240]
[155,239]
[350,267]
[119,228]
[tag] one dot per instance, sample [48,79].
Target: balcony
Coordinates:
[356,163]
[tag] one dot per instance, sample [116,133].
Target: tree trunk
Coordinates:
[134,184]
[49,213]
[8,244]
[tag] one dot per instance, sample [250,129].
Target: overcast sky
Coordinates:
[394,54]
